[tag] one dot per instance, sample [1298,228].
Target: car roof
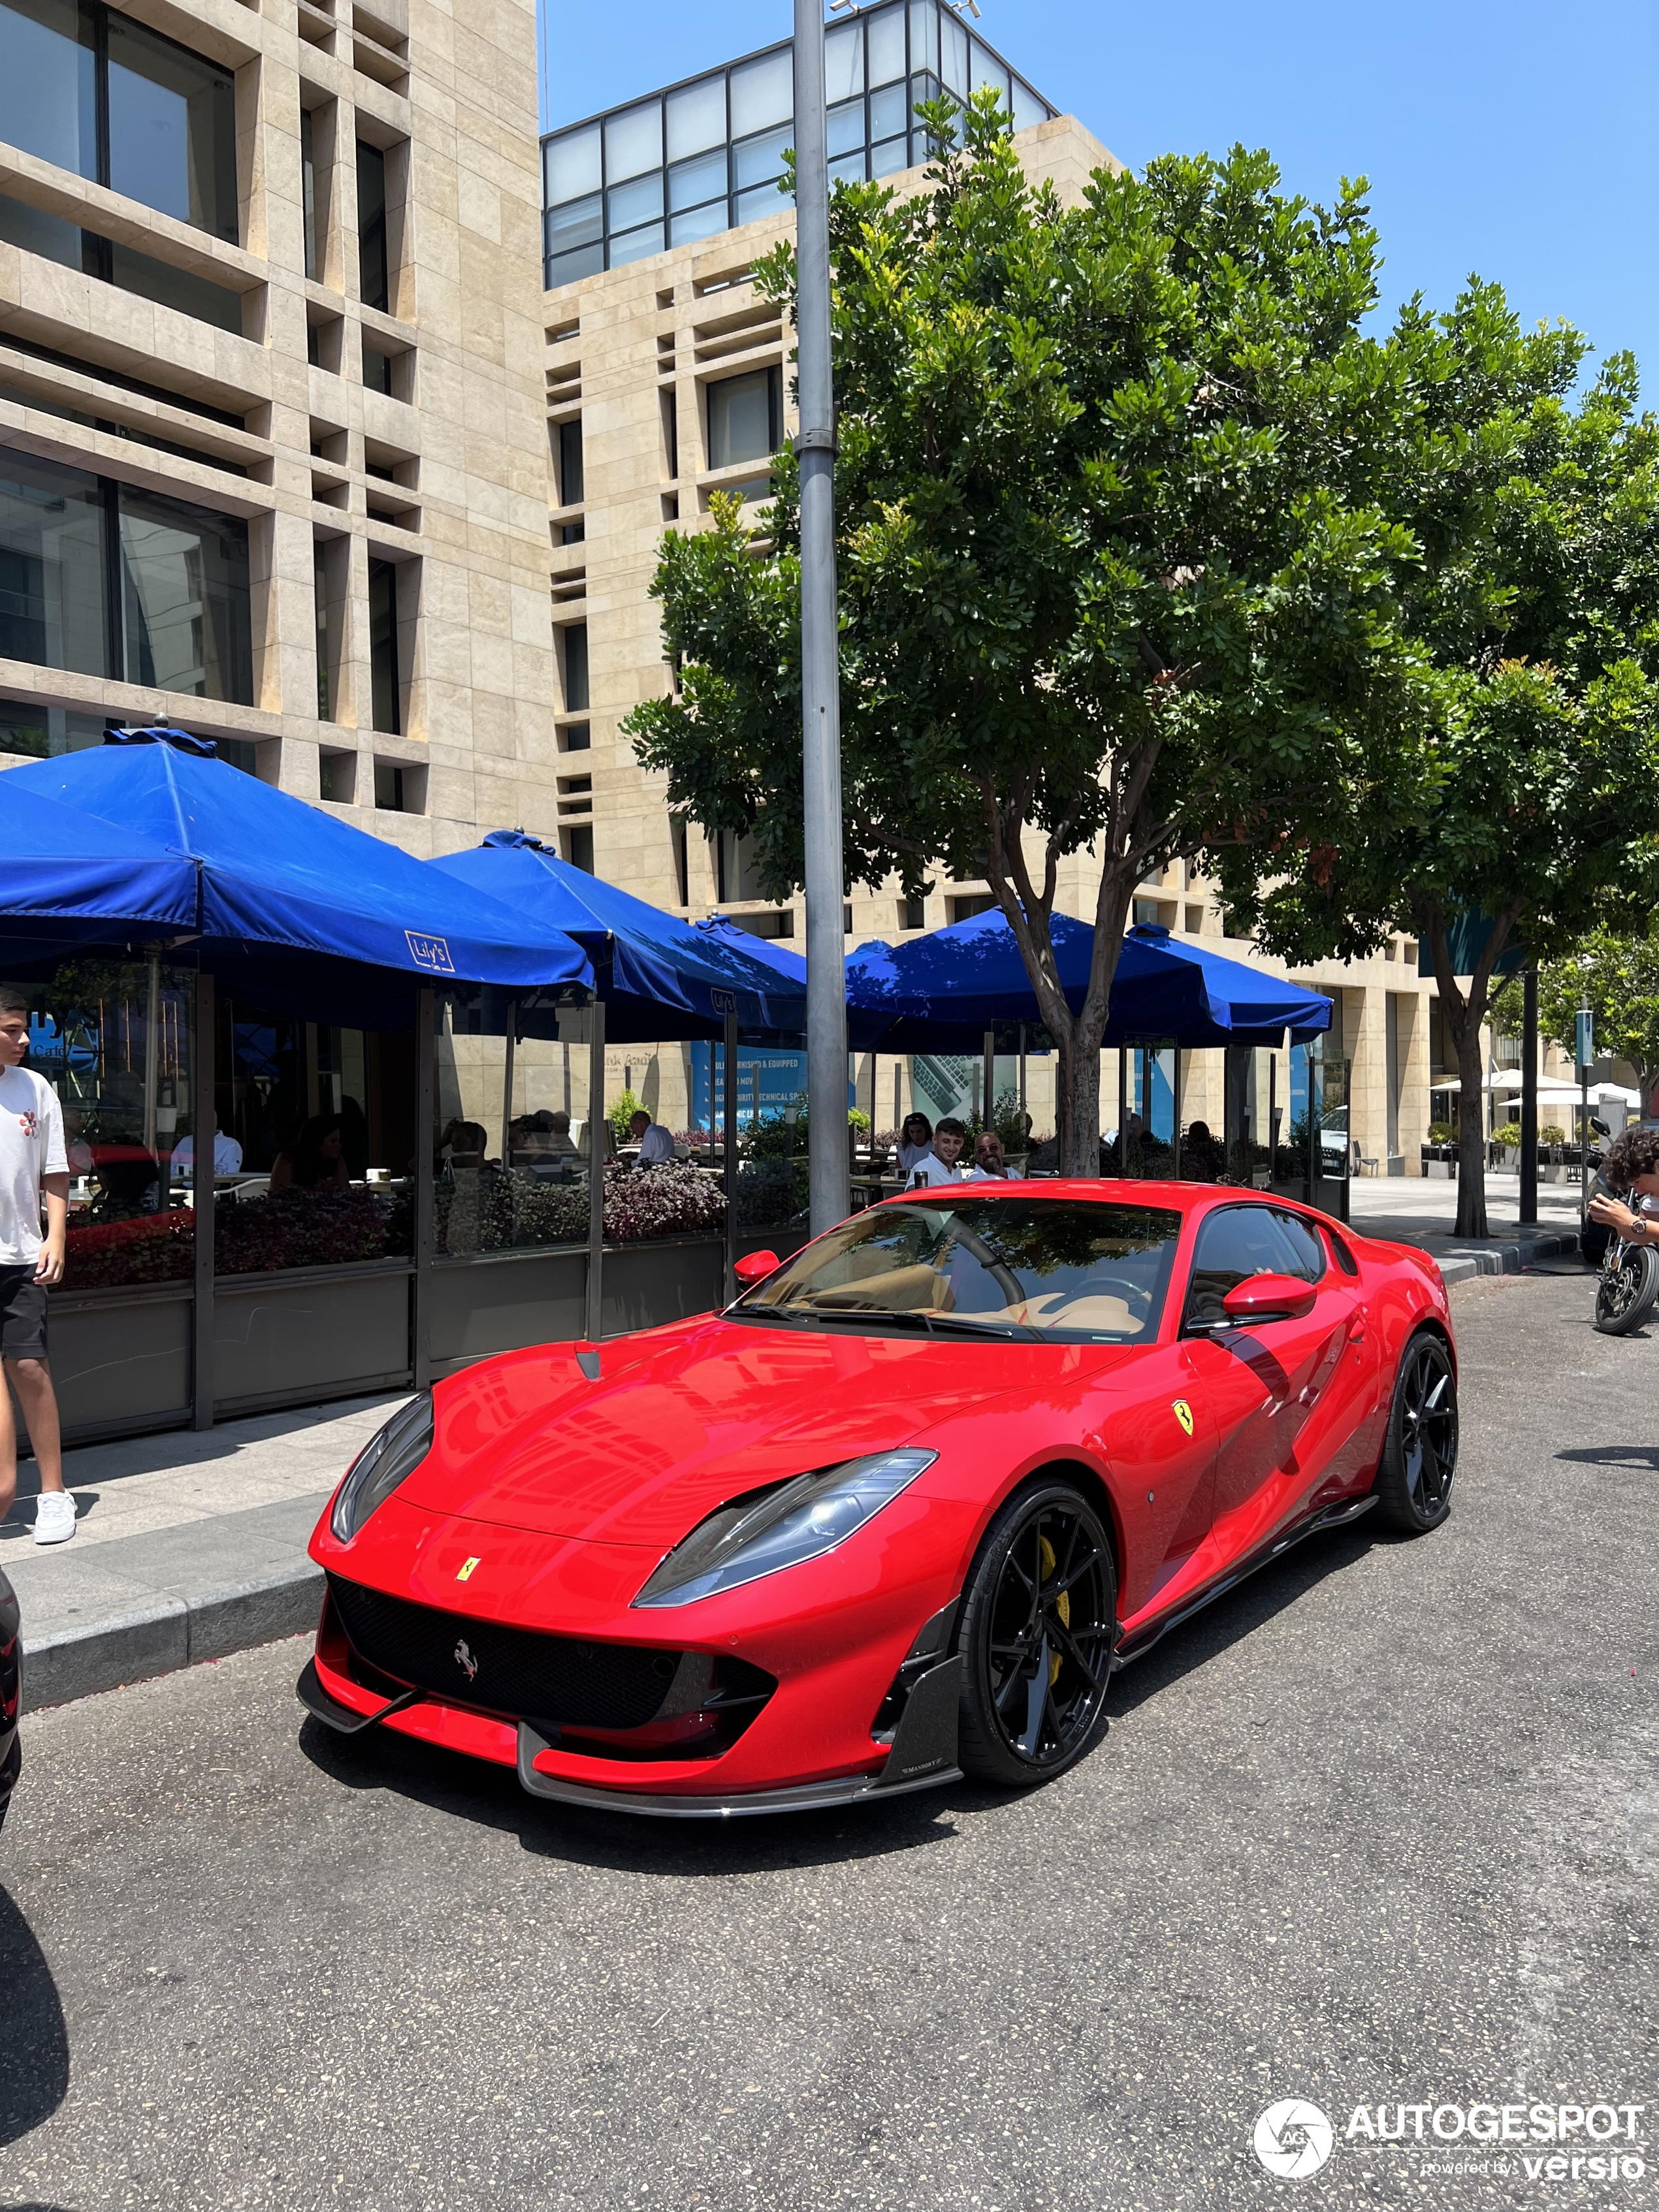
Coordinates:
[1116,1190]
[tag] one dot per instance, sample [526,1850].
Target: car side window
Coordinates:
[1344,1259]
[1304,1240]
[1235,1242]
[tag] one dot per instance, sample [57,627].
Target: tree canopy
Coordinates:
[1536,609]
[1616,975]
[1119,576]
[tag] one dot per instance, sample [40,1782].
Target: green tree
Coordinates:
[1116,579]
[1617,977]
[1537,605]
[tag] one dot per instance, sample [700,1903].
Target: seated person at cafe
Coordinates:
[226,1155]
[316,1161]
[940,1164]
[989,1163]
[915,1142]
[656,1144]
[1200,1154]
[559,1141]
[129,1183]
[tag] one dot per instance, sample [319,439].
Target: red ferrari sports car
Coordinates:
[894,1514]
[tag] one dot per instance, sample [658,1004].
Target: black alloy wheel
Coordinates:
[1038,1628]
[1627,1289]
[1414,1483]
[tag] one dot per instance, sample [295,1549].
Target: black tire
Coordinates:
[1041,1602]
[1626,1292]
[1413,1482]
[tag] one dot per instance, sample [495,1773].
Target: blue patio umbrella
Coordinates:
[69,878]
[660,977]
[294,908]
[725,931]
[941,992]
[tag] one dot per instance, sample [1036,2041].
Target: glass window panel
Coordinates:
[694,182]
[171,128]
[385,689]
[47,95]
[571,164]
[846,128]
[697,116]
[566,268]
[631,204]
[52,604]
[700,222]
[924,35]
[169,287]
[890,110]
[765,204]
[760,158]
[635,245]
[576,223]
[184,594]
[988,70]
[742,419]
[953,55]
[37,232]
[1029,110]
[885,32]
[890,157]
[48,731]
[373,269]
[764,92]
[844,62]
[632,141]
[849,170]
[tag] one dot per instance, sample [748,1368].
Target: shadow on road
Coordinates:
[1640,1459]
[34,2047]
[470,1790]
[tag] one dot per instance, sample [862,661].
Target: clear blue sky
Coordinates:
[1502,135]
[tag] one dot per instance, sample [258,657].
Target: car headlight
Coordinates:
[382,1464]
[799,1521]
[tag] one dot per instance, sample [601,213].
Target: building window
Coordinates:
[576,738]
[310,201]
[124,266]
[108,580]
[390,788]
[578,846]
[377,369]
[92,91]
[572,483]
[575,668]
[184,597]
[337,778]
[383,676]
[374,269]
[45,731]
[708,154]
[745,417]
[913,914]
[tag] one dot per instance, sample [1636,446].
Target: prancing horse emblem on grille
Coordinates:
[464,1660]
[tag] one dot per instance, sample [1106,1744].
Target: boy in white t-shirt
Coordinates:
[34,1170]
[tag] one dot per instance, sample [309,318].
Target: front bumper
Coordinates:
[922,1755]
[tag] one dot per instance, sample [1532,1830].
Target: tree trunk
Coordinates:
[1077,1106]
[1471,1132]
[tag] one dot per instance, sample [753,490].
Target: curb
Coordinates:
[171,1633]
[1464,1264]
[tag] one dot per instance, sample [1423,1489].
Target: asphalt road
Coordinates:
[1382,1828]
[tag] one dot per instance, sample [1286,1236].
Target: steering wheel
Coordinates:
[1123,1286]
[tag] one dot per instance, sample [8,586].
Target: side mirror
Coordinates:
[1268,1298]
[755,1267]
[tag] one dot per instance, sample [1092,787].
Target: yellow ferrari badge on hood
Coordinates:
[1183,1414]
[464,1572]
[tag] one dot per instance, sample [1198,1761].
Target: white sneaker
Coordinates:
[54,1518]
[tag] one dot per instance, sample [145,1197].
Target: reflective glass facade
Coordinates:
[706,155]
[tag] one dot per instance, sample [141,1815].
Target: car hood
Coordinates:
[680,1419]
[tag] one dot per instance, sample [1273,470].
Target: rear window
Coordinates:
[1056,1268]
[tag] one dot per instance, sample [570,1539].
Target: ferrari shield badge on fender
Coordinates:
[1183,1414]
[464,1572]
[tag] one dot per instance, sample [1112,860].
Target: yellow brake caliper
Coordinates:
[1062,1604]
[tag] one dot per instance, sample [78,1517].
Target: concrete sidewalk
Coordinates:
[190,1547]
[185,1547]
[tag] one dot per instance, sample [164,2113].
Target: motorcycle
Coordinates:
[1627,1288]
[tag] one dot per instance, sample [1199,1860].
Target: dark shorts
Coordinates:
[22,1314]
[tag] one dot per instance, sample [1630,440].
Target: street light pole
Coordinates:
[820,659]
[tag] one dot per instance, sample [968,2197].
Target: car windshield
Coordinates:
[1058,1269]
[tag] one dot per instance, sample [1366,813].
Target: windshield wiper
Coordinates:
[910,1317]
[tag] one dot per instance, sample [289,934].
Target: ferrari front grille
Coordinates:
[516,1671]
